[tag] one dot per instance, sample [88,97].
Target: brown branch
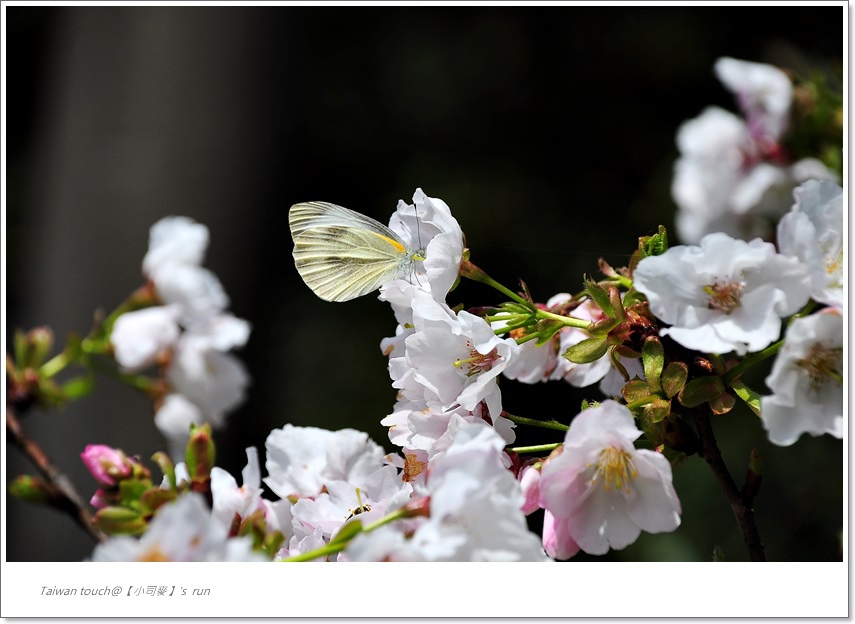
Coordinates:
[64,496]
[741,506]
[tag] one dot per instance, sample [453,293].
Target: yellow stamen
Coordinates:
[476,362]
[724,295]
[616,470]
[823,364]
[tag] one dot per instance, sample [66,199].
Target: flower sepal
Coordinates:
[120,521]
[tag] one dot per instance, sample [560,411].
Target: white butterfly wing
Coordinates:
[317,214]
[341,254]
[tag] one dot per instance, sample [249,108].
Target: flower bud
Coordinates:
[200,454]
[107,465]
[120,520]
[31,489]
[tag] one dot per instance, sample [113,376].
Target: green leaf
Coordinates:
[701,390]
[723,403]
[153,498]
[654,432]
[634,390]
[633,297]
[131,491]
[653,360]
[674,457]
[603,327]
[617,304]
[674,378]
[657,411]
[546,329]
[588,350]
[718,554]
[166,467]
[655,245]
[600,296]
[751,398]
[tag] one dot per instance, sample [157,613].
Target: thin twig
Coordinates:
[68,499]
[740,506]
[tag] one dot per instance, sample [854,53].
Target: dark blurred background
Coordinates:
[549,131]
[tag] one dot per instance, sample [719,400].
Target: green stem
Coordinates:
[55,365]
[515,323]
[140,382]
[541,448]
[527,338]
[570,321]
[750,360]
[323,551]
[641,402]
[507,291]
[399,514]
[809,307]
[622,281]
[546,424]
[336,547]
[469,270]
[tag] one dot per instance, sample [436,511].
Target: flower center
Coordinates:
[724,295]
[615,469]
[833,266]
[153,554]
[821,364]
[477,362]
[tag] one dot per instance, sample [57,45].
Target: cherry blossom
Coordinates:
[764,94]
[813,232]
[138,337]
[427,224]
[723,295]
[601,491]
[192,331]
[301,461]
[475,510]
[807,380]
[452,359]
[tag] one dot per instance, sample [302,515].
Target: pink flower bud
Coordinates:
[106,464]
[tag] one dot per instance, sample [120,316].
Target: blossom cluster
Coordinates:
[730,295]
[734,173]
[446,366]
[189,333]
[326,480]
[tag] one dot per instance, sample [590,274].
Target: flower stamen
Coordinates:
[724,295]
[616,469]
[822,364]
[477,362]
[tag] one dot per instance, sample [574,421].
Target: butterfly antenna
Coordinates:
[418,229]
[419,238]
